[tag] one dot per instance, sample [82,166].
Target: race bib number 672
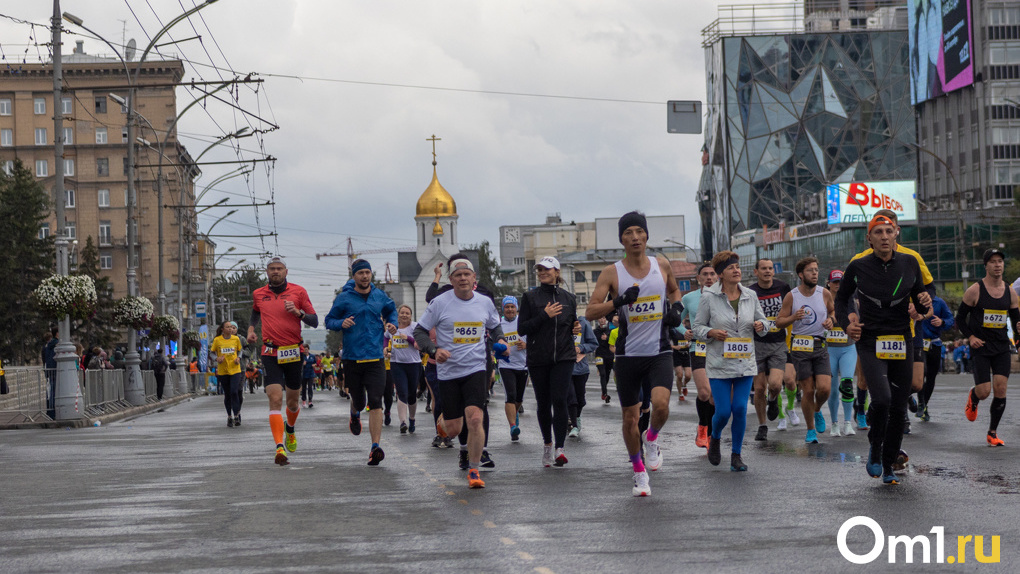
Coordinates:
[467,333]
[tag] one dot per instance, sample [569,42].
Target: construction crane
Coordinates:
[351,255]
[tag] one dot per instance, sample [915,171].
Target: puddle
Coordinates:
[1005,485]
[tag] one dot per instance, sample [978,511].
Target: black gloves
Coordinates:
[672,316]
[627,297]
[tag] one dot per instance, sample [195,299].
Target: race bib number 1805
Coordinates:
[467,333]
[737,348]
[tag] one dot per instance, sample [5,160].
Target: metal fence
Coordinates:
[26,401]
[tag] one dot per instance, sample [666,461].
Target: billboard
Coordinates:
[856,203]
[664,231]
[941,47]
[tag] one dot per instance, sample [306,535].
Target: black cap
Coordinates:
[989,253]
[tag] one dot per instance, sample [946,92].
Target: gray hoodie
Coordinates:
[715,312]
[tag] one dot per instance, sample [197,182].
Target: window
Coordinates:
[70,230]
[578,276]
[42,168]
[9,167]
[39,105]
[1006,136]
[68,136]
[65,106]
[40,136]
[68,167]
[104,197]
[44,231]
[102,166]
[105,237]
[1004,53]
[100,135]
[595,276]
[5,107]
[124,160]
[126,196]
[123,135]
[6,137]
[100,104]
[105,261]
[68,198]
[582,298]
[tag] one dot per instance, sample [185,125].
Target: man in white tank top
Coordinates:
[809,308]
[644,291]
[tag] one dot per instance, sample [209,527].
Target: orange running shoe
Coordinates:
[702,438]
[994,440]
[474,480]
[971,409]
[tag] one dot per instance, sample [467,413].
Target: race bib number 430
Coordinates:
[802,344]
[737,348]
[892,347]
[647,308]
[994,319]
[467,333]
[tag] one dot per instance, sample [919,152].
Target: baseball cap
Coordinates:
[835,275]
[548,262]
[993,252]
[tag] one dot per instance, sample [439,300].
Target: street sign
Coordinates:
[777,267]
[683,117]
[684,285]
[200,309]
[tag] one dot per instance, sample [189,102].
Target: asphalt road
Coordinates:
[178,491]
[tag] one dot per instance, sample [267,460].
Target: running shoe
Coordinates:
[410,426]
[819,422]
[355,425]
[782,425]
[862,422]
[737,464]
[834,430]
[520,409]
[386,418]
[376,456]
[923,415]
[714,455]
[792,416]
[901,461]
[290,441]
[653,455]
[428,407]
[641,487]
[575,432]
[237,420]
[906,427]
[281,456]
[547,456]
[474,479]
[811,437]
[772,409]
[848,429]
[515,433]
[561,458]
[763,433]
[437,442]
[702,438]
[230,422]
[310,405]
[888,477]
[605,398]
[487,461]
[464,465]
[448,442]
[993,439]
[304,404]
[874,464]
[684,392]
[912,404]
[920,407]
[403,428]
[971,409]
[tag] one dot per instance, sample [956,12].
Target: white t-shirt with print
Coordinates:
[460,329]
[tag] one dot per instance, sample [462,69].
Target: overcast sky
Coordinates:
[352,151]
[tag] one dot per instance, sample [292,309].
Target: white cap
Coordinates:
[458,264]
[548,262]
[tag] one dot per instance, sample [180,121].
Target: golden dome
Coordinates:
[437,229]
[435,201]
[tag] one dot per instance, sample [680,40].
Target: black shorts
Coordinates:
[918,351]
[463,392]
[633,374]
[681,359]
[514,383]
[984,367]
[697,362]
[288,374]
[363,379]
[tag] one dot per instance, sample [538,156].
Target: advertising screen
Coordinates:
[856,203]
[941,42]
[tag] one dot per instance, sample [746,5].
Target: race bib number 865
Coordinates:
[467,333]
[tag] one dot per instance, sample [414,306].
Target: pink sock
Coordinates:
[635,461]
[653,433]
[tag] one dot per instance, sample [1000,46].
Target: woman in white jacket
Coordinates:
[728,316]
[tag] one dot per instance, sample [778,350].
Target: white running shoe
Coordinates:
[653,456]
[782,425]
[547,456]
[791,415]
[575,432]
[834,429]
[848,429]
[641,487]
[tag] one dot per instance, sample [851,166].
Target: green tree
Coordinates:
[1009,230]
[25,260]
[237,288]
[101,330]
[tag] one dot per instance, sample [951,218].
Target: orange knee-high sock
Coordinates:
[276,424]
[292,416]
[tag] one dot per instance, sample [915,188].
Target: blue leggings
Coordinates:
[731,398]
[842,362]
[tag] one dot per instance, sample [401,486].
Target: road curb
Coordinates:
[105,419]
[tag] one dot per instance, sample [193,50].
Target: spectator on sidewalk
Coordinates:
[159,367]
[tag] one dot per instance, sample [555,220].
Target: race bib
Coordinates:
[927,345]
[288,354]
[599,361]
[467,333]
[837,336]
[802,343]
[700,349]
[773,328]
[227,351]
[994,319]
[400,342]
[684,344]
[891,347]
[648,308]
[511,337]
[737,348]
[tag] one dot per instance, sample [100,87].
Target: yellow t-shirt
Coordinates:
[230,350]
[926,277]
[612,336]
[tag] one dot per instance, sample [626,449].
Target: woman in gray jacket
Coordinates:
[728,316]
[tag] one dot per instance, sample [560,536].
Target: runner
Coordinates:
[603,355]
[363,311]
[584,343]
[812,318]
[704,403]
[728,315]
[842,363]
[982,319]
[513,372]
[770,349]
[547,317]
[640,287]
[227,348]
[405,366]
[281,308]
[886,281]
[460,318]
[308,378]
[932,328]
[681,362]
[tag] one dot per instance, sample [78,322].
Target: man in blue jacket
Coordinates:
[361,311]
[931,331]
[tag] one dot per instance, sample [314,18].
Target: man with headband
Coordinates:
[362,311]
[281,308]
[644,291]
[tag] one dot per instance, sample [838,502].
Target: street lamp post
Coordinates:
[964,274]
